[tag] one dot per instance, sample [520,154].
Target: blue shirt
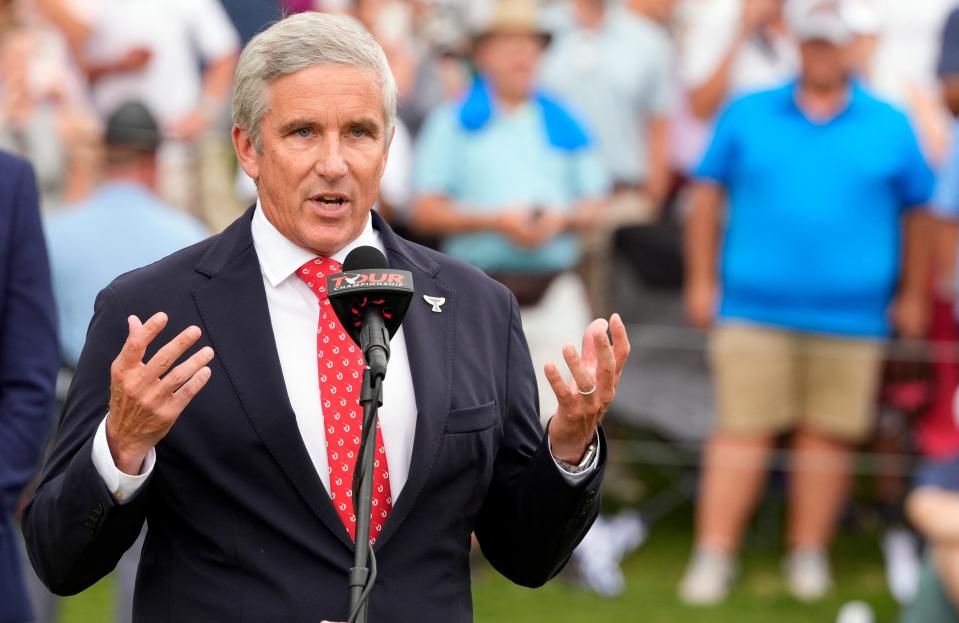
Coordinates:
[945,203]
[119,228]
[507,163]
[813,233]
[618,76]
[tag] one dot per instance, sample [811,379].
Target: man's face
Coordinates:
[509,60]
[324,147]
[824,64]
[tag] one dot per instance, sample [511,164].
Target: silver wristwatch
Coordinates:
[587,459]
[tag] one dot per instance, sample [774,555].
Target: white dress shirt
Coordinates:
[294,314]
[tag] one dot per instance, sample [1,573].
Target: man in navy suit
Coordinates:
[223,419]
[29,358]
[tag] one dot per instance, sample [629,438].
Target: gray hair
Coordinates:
[298,42]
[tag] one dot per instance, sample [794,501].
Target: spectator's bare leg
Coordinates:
[821,478]
[946,558]
[934,513]
[734,472]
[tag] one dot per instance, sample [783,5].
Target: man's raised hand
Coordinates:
[147,398]
[583,400]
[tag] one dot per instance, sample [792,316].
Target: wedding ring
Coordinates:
[586,393]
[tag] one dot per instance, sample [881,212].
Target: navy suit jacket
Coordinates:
[240,526]
[29,358]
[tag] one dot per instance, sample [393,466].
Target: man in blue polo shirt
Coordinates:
[820,178]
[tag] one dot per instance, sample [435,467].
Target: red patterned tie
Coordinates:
[340,365]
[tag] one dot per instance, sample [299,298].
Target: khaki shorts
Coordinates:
[772,381]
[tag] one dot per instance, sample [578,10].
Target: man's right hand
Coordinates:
[700,303]
[145,400]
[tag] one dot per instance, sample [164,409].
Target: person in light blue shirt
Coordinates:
[821,251]
[123,225]
[614,66]
[523,191]
[507,175]
[510,178]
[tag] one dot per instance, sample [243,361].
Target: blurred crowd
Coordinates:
[787,167]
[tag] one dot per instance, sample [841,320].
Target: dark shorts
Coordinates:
[942,474]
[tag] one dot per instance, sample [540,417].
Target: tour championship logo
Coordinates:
[369,279]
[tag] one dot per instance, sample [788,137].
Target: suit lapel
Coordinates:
[429,345]
[236,318]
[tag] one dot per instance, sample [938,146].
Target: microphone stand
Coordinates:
[363,573]
[374,342]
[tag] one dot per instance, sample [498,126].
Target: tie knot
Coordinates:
[314,273]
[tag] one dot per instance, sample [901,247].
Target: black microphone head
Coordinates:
[362,258]
[367,280]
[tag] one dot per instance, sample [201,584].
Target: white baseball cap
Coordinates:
[863,17]
[822,20]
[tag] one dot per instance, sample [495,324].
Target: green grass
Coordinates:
[94,605]
[652,573]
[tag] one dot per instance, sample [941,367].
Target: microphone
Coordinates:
[370,299]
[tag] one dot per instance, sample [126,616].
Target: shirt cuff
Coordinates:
[575,478]
[122,486]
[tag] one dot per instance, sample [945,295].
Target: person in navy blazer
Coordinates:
[194,408]
[29,358]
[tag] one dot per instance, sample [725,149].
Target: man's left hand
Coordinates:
[584,400]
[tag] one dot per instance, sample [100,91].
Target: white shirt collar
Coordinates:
[280,258]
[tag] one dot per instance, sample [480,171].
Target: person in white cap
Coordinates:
[821,177]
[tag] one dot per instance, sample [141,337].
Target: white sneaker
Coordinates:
[900,549]
[856,612]
[596,561]
[708,578]
[627,531]
[807,574]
